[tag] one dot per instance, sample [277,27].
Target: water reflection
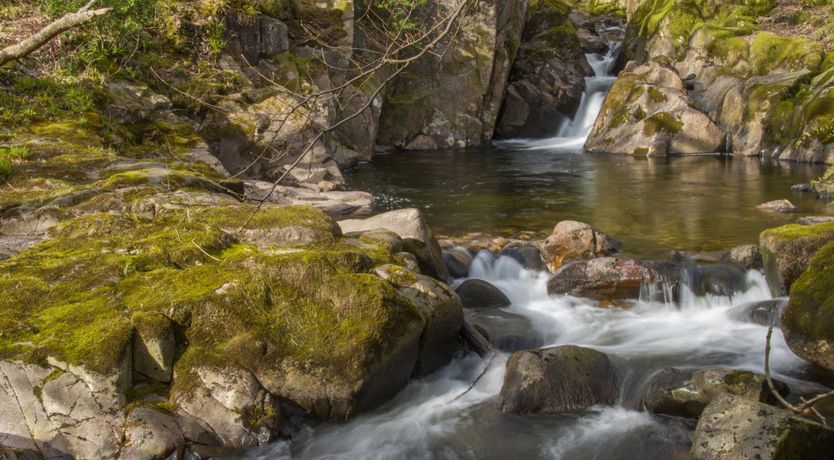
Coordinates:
[652,205]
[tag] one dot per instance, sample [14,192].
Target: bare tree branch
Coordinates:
[42,37]
[807,407]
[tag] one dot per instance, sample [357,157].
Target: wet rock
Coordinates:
[788,249]
[506,331]
[529,256]
[813,220]
[747,257]
[441,310]
[611,278]
[732,427]
[153,346]
[151,435]
[548,75]
[475,339]
[457,261]
[765,312]
[808,319]
[782,206]
[478,294]
[411,226]
[573,240]
[687,393]
[557,379]
[802,188]
[346,158]
[716,279]
[648,112]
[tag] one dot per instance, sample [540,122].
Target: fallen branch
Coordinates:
[42,37]
[807,407]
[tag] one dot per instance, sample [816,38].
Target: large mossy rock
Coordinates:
[548,76]
[648,112]
[770,91]
[452,99]
[788,250]
[808,319]
[733,428]
[558,379]
[258,317]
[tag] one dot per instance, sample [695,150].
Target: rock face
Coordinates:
[686,394]
[610,278]
[732,427]
[452,99]
[788,249]
[410,225]
[557,379]
[547,77]
[808,319]
[648,112]
[573,240]
[745,78]
[479,295]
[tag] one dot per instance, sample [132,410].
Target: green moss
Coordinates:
[796,231]
[810,311]
[661,122]
[770,52]
[656,95]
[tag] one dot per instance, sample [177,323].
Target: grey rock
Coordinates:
[765,312]
[151,435]
[610,278]
[558,379]
[732,428]
[273,37]
[411,226]
[479,294]
[687,393]
[529,256]
[506,331]
[457,261]
[154,347]
[747,257]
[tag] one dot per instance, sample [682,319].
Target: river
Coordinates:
[653,205]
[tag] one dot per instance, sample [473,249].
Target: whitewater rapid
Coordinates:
[441,417]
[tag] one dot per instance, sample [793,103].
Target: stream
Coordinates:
[653,206]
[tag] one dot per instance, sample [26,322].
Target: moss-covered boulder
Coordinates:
[452,99]
[648,112]
[788,249]
[732,427]
[808,319]
[286,304]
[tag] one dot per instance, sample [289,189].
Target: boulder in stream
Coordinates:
[609,279]
[764,312]
[505,330]
[479,294]
[746,257]
[687,393]
[782,206]
[558,379]
[788,249]
[457,261]
[735,428]
[572,240]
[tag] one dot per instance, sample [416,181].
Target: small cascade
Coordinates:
[571,135]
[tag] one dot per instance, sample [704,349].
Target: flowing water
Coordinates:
[693,203]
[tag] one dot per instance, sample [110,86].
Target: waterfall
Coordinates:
[571,135]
